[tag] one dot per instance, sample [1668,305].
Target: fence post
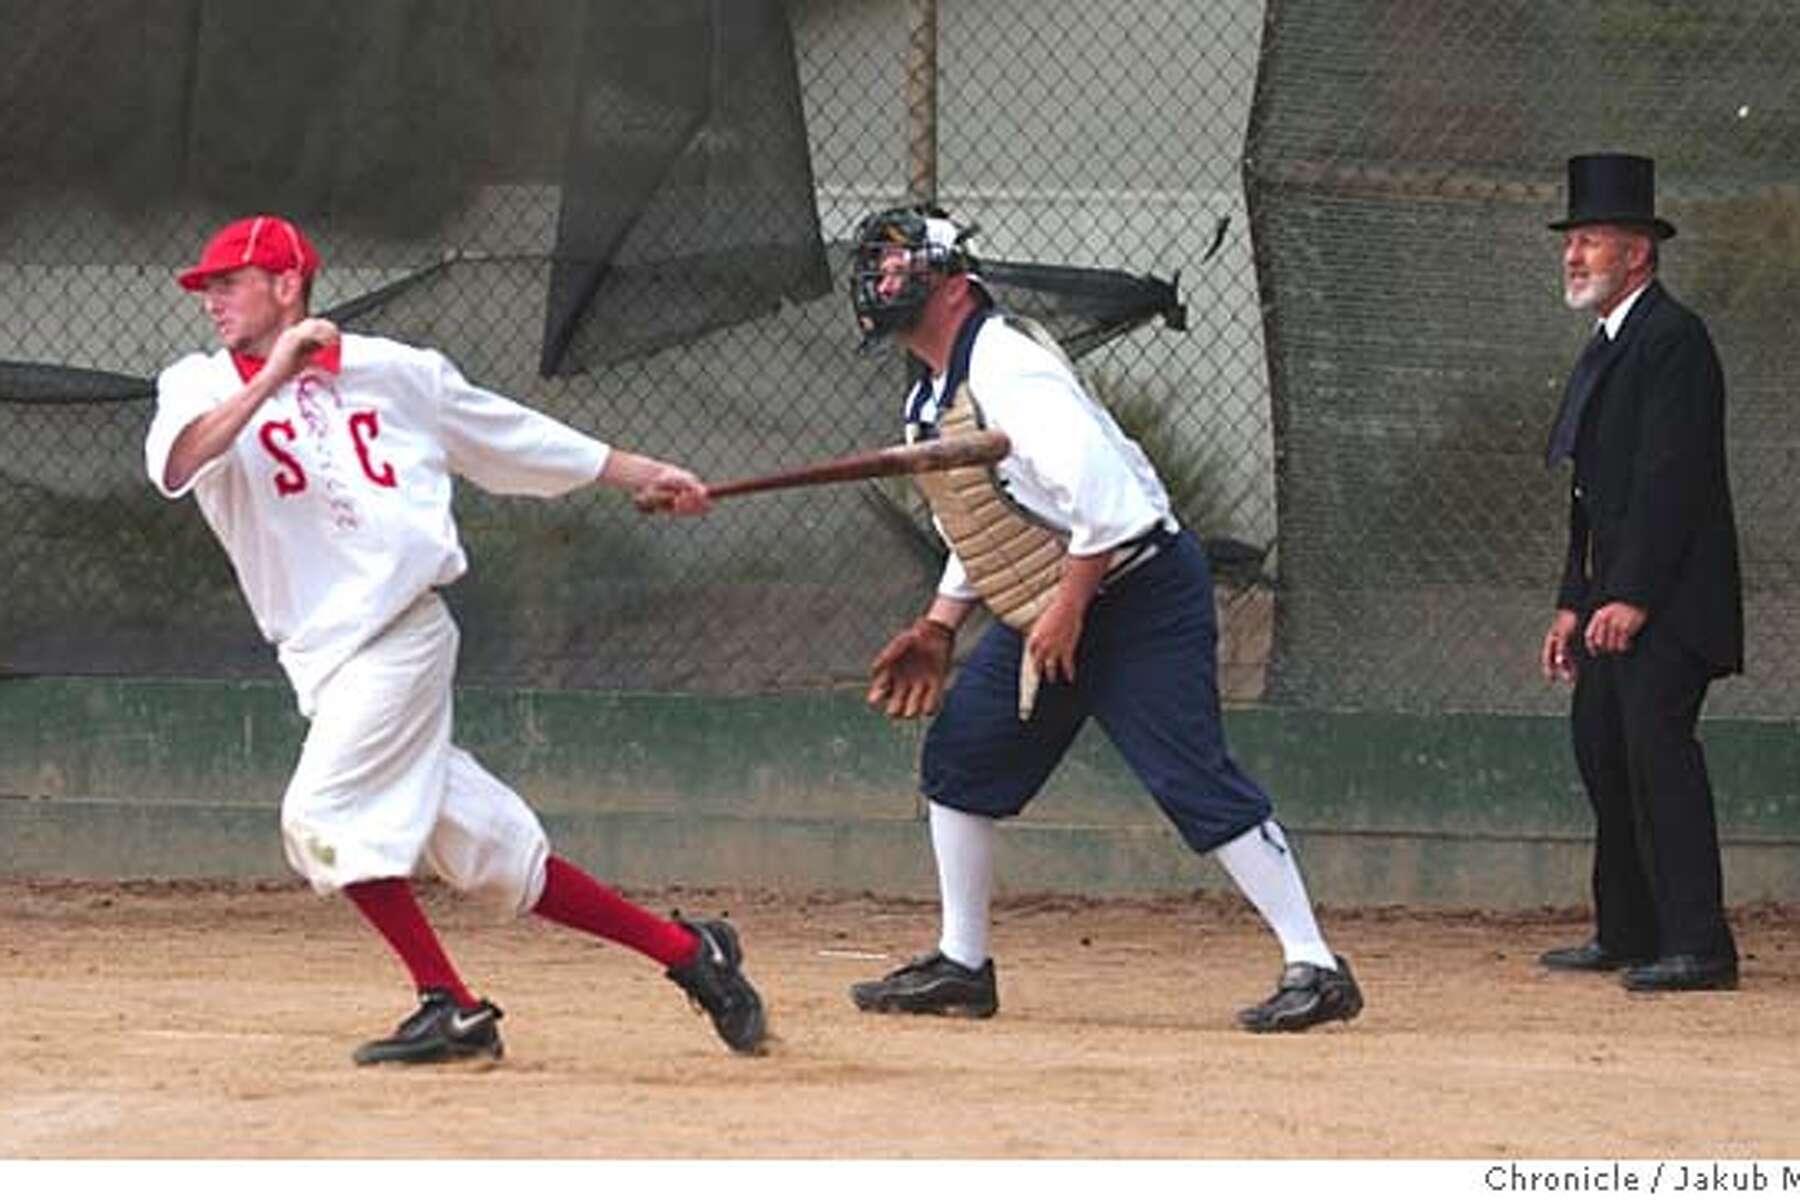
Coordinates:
[921,103]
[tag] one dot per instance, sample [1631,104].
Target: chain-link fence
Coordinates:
[1403,161]
[631,216]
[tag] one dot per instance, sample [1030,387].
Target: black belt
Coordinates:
[1129,556]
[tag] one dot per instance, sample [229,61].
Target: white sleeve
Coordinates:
[1068,458]
[954,582]
[504,447]
[184,392]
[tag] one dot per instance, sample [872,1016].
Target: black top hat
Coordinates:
[1613,189]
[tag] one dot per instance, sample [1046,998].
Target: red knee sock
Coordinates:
[573,897]
[390,906]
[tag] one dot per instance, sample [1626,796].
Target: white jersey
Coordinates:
[333,504]
[1070,463]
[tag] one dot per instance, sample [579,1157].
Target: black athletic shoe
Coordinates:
[715,982]
[933,984]
[1306,996]
[438,1032]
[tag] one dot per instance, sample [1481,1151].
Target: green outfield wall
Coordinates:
[111,778]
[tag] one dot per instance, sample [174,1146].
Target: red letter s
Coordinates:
[289,478]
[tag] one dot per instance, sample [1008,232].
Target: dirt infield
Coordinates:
[216,1021]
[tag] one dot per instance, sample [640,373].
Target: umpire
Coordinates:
[1650,608]
[1099,592]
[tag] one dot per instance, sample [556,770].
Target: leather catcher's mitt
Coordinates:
[909,673]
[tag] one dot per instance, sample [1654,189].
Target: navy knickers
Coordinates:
[1146,669]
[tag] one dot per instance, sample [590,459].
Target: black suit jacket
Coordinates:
[1650,516]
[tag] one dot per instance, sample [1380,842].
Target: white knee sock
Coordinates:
[964,845]
[1260,863]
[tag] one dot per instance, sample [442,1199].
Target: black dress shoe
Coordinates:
[1591,957]
[1684,973]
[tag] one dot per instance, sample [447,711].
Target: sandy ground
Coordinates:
[191,1021]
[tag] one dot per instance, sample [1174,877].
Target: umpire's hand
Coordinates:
[908,675]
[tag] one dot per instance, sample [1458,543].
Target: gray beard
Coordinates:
[1596,289]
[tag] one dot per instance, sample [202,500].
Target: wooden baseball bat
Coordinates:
[938,454]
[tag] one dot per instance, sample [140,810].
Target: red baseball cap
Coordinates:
[272,243]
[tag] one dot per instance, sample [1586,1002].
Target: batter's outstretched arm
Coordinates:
[211,434]
[656,486]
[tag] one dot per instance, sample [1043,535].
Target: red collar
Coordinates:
[330,359]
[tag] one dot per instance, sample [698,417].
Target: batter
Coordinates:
[324,464]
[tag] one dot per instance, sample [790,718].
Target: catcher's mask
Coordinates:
[892,260]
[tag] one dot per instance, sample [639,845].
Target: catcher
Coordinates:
[1070,542]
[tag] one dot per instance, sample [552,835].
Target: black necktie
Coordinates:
[1581,382]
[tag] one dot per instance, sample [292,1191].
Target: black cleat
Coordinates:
[1306,996]
[438,1032]
[715,982]
[934,984]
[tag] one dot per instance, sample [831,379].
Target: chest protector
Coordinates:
[1013,557]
